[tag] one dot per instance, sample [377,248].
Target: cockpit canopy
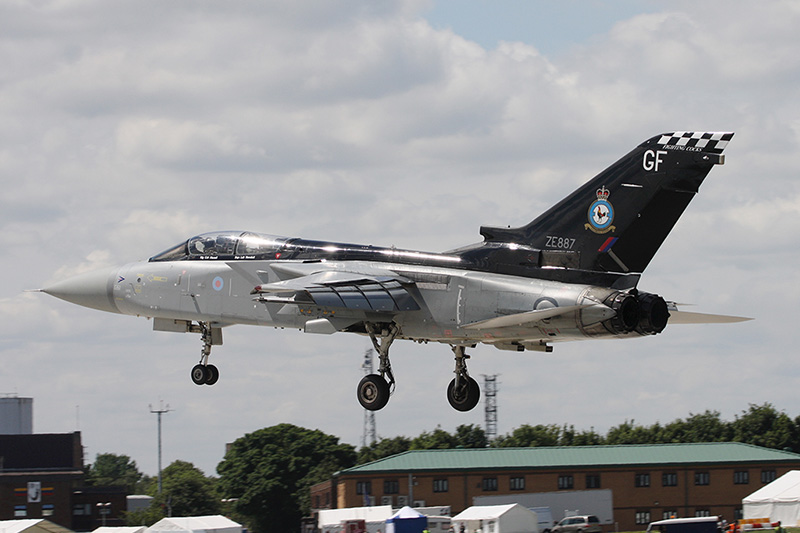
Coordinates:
[225,245]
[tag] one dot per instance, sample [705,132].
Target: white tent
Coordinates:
[31,525]
[779,500]
[407,520]
[511,518]
[120,529]
[196,524]
[330,520]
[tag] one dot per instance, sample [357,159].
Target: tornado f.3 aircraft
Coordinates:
[570,274]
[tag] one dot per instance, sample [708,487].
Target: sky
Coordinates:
[127,127]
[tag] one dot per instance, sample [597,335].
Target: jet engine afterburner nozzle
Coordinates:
[627,312]
[653,314]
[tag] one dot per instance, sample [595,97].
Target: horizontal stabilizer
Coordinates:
[686,317]
[519,319]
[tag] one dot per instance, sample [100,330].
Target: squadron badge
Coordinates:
[601,213]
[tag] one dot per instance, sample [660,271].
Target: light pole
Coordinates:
[105,510]
[160,411]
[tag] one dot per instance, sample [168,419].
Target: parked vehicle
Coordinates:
[578,524]
[699,524]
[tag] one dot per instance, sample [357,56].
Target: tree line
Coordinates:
[265,476]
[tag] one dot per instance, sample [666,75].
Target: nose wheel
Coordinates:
[203,373]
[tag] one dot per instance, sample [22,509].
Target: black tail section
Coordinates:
[617,221]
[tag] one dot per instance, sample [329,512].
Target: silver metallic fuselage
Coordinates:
[220,293]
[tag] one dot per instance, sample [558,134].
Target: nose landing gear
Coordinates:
[203,373]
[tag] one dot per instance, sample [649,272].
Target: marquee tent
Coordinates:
[779,500]
[511,518]
[31,525]
[120,529]
[406,520]
[195,524]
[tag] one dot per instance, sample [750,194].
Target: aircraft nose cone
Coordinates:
[92,289]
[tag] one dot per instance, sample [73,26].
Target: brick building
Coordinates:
[648,482]
[41,476]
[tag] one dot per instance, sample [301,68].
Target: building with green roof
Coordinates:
[647,482]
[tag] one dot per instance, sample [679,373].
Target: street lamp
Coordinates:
[105,510]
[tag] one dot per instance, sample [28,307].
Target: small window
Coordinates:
[592,481]
[516,483]
[702,512]
[82,509]
[363,487]
[669,479]
[441,485]
[738,513]
[565,482]
[489,484]
[20,511]
[768,476]
[667,514]
[642,517]
[702,478]
[642,480]
[741,477]
[391,486]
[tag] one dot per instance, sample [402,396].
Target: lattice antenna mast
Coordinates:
[369,435]
[490,407]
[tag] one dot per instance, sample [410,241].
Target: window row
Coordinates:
[567,482]
[21,511]
[670,479]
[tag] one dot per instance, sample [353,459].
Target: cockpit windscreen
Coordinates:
[225,245]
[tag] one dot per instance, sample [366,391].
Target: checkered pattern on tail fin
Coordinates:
[713,142]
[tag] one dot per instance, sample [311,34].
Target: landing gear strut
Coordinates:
[374,390]
[463,392]
[203,373]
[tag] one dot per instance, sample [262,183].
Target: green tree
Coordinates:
[438,439]
[270,471]
[186,491]
[570,437]
[527,436]
[631,433]
[112,469]
[704,427]
[471,436]
[383,448]
[763,425]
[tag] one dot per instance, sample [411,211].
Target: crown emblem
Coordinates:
[603,193]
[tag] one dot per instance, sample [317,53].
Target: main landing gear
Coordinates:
[374,390]
[463,392]
[203,373]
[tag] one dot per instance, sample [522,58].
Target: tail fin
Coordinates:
[617,221]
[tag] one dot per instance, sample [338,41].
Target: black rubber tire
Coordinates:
[464,402]
[199,374]
[373,392]
[212,374]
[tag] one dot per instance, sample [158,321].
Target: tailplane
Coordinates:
[617,221]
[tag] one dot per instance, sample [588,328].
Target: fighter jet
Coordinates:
[570,274]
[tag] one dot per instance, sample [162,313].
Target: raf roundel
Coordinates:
[218,283]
